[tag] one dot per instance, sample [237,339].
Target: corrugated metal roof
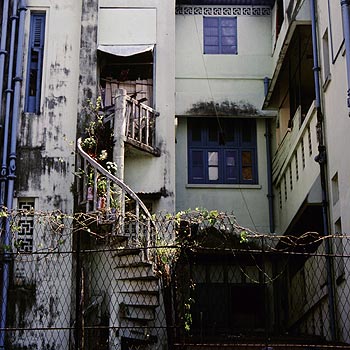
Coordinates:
[226,2]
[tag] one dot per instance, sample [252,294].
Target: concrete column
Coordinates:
[119,132]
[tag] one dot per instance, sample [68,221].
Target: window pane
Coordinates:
[228,40]
[230,161]
[197,134]
[247,173]
[213,135]
[211,21]
[231,169]
[211,40]
[228,22]
[211,31]
[246,158]
[246,135]
[213,174]
[228,31]
[247,165]
[213,159]
[196,166]
[213,166]
[211,49]
[229,49]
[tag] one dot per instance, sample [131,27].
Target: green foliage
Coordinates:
[187,315]
[99,139]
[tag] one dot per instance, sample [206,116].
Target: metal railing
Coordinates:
[100,191]
[140,124]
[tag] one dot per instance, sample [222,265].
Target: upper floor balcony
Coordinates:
[294,169]
[287,15]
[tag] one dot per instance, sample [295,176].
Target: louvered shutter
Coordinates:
[35,62]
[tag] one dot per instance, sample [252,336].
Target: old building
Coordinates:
[122,109]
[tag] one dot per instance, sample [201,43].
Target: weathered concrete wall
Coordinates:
[45,170]
[88,86]
[158,17]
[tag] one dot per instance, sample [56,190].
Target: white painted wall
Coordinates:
[235,78]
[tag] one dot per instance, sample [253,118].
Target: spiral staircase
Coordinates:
[128,228]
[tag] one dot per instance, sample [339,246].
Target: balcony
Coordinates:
[136,122]
[294,169]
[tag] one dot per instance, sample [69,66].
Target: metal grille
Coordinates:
[214,285]
[25,232]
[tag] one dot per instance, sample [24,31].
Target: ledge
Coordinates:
[224,186]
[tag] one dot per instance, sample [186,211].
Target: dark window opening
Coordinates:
[133,73]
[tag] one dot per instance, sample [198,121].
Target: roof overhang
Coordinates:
[125,50]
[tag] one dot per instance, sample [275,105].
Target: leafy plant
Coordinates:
[98,140]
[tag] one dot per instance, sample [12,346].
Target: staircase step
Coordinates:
[134,271]
[140,299]
[129,258]
[139,285]
[129,251]
[135,264]
[137,312]
[132,343]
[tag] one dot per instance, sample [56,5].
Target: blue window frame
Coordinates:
[220,35]
[222,151]
[35,62]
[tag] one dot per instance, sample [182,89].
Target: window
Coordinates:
[24,239]
[35,62]
[220,35]
[222,151]
[326,64]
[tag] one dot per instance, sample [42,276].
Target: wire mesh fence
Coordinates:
[203,283]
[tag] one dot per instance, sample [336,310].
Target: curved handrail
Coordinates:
[114,179]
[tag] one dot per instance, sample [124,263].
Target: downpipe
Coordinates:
[269,164]
[12,166]
[8,100]
[3,52]
[321,159]
[345,8]
[269,175]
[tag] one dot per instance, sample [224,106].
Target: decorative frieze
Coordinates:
[223,10]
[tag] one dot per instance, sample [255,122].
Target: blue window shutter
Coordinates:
[220,35]
[231,166]
[225,155]
[211,31]
[35,62]
[197,166]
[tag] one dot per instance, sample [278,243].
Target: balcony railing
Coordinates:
[294,169]
[140,125]
[102,193]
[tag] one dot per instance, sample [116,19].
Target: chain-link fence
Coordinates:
[204,283]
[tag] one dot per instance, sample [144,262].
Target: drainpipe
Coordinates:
[269,163]
[3,52]
[269,175]
[12,165]
[321,159]
[9,92]
[345,4]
